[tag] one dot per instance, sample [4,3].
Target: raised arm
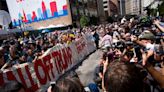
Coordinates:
[134,39]
[156,22]
[156,75]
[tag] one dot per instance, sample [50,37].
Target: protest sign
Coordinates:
[49,67]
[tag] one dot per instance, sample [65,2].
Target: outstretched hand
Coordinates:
[156,22]
[133,38]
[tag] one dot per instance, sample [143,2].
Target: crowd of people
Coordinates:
[132,59]
[18,50]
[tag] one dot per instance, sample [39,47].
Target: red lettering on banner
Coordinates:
[58,59]
[21,77]
[1,79]
[48,65]
[78,49]
[44,67]
[83,45]
[34,86]
[38,63]
[80,45]
[69,55]
[65,61]
[10,75]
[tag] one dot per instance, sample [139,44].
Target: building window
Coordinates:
[105,2]
[105,6]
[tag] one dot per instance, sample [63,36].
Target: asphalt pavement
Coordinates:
[86,70]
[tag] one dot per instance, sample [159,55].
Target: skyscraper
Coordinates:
[132,7]
[44,10]
[53,8]
[110,7]
[34,17]
[128,8]
[24,18]
[40,15]
[122,7]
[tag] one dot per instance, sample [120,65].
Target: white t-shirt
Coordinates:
[106,41]
[150,47]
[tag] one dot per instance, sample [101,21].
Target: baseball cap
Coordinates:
[147,36]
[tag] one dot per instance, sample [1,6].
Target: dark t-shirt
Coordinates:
[138,53]
[98,69]
[96,36]
[39,48]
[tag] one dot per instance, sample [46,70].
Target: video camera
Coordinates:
[119,45]
[136,30]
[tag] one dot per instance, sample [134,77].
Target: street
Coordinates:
[86,70]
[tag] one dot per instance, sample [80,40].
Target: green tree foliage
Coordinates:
[110,19]
[153,12]
[93,20]
[161,9]
[84,21]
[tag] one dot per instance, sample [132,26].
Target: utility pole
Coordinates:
[121,7]
[78,9]
[83,3]
[140,7]
[97,8]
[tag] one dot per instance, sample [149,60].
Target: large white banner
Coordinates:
[37,76]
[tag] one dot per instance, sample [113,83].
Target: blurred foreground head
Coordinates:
[13,86]
[122,77]
[68,85]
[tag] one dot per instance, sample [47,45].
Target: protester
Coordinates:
[68,85]
[106,40]
[129,45]
[147,40]
[98,72]
[122,77]
[157,23]
[13,86]
[26,49]
[96,38]
[158,76]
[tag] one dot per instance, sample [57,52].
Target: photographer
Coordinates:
[158,75]
[152,55]
[130,53]
[146,39]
